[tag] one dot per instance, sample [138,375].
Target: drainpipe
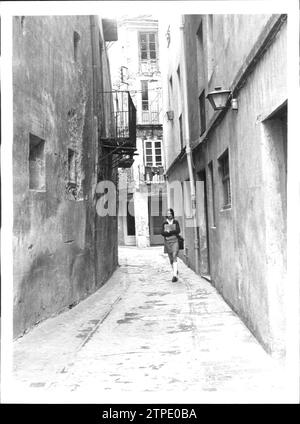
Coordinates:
[94,76]
[188,146]
[95,139]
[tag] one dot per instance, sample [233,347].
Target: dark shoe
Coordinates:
[174,279]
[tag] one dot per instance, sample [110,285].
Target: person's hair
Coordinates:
[172,212]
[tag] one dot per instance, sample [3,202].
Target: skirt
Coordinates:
[172,248]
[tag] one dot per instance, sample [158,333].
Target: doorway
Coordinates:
[202,211]
[129,222]
[156,217]
[275,165]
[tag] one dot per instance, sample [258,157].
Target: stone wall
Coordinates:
[248,240]
[244,246]
[62,250]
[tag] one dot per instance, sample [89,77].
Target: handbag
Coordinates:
[180,242]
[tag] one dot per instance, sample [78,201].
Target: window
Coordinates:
[210,45]
[154,117]
[202,112]
[158,160]
[179,79]
[149,154]
[124,74]
[170,89]
[179,95]
[178,74]
[72,185]
[37,176]
[170,93]
[212,193]
[153,153]
[225,176]
[147,41]
[145,99]
[200,52]
[72,174]
[200,37]
[181,131]
[156,208]
[76,39]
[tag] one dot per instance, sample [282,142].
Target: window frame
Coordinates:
[76,43]
[148,50]
[178,74]
[72,153]
[36,143]
[200,52]
[212,193]
[224,169]
[145,91]
[210,46]
[154,156]
[202,112]
[180,119]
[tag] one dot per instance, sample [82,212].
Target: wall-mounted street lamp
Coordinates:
[170,115]
[219,99]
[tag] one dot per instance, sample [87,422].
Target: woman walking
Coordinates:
[170,231]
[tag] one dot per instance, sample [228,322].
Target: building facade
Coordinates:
[235,187]
[63,250]
[135,67]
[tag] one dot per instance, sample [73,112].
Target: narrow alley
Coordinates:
[142,334]
[137,134]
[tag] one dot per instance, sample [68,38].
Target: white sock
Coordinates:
[175,267]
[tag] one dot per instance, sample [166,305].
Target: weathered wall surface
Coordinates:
[248,240]
[55,228]
[171,61]
[243,247]
[126,53]
[226,42]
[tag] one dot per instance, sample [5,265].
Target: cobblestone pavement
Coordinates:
[142,338]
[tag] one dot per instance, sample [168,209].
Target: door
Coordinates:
[156,218]
[129,222]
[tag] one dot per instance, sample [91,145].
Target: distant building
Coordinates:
[135,67]
[238,157]
[63,250]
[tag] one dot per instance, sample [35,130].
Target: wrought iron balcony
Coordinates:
[154,174]
[149,118]
[149,67]
[124,117]
[123,141]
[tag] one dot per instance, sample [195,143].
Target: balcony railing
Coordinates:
[122,141]
[154,174]
[149,67]
[149,117]
[124,116]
